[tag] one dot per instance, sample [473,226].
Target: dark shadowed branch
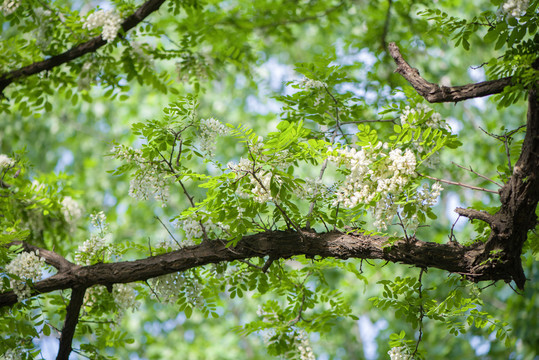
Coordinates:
[451,257]
[519,196]
[72,318]
[435,93]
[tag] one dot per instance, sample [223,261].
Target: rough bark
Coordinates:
[500,257]
[71,321]
[451,257]
[435,93]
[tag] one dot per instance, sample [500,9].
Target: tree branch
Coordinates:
[72,318]
[435,93]
[451,257]
[90,46]
[519,196]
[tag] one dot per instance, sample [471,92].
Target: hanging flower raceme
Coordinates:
[109,20]
[27,266]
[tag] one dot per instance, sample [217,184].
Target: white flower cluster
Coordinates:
[193,230]
[424,198]
[148,181]
[268,317]
[9,6]
[97,247]
[311,188]
[128,154]
[93,247]
[399,353]
[99,221]
[11,354]
[370,176]
[125,296]
[427,197]
[6,161]
[72,211]
[515,8]
[312,84]
[259,179]
[110,21]
[304,347]
[363,183]
[27,266]
[93,295]
[210,129]
[417,114]
[170,287]
[42,17]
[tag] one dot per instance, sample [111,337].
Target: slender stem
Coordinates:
[367,121]
[459,184]
[476,173]
[421,311]
[172,236]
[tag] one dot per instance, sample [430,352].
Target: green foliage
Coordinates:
[274,166]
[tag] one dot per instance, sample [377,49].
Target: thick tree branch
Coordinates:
[90,46]
[72,318]
[519,196]
[450,257]
[435,93]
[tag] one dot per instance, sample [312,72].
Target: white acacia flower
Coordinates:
[27,266]
[6,161]
[515,8]
[11,354]
[109,20]
[125,296]
[94,247]
[9,6]
[210,129]
[72,211]
[304,347]
[312,84]
[399,353]
[149,183]
[170,287]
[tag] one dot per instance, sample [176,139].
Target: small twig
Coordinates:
[300,311]
[421,311]
[368,121]
[150,246]
[459,184]
[250,264]
[505,139]
[152,290]
[478,174]
[476,214]
[489,285]
[336,216]
[515,290]
[403,227]
[172,236]
[452,237]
